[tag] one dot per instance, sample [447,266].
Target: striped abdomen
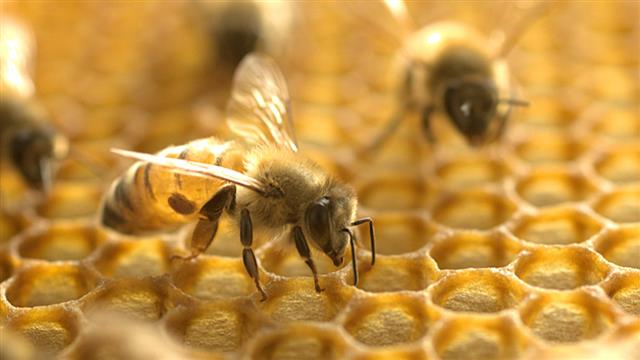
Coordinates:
[150,198]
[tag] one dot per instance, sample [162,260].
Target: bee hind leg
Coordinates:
[207,227]
[248,256]
[305,253]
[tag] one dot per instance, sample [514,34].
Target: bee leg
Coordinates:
[248,257]
[305,252]
[390,129]
[372,236]
[207,225]
[426,124]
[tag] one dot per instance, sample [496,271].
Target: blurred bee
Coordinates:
[452,69]
[27,139]
[267,186]
[237,28]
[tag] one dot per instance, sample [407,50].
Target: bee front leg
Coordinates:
[248,257]
[305,253]
[207,226]
[426,124]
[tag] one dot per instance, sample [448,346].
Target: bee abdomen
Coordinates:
[150,198]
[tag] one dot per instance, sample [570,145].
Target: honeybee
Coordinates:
[237,28]
[28,140]
[267,186]
[452,69]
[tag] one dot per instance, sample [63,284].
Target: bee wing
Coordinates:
[260,108]
[518,17]
[194,168]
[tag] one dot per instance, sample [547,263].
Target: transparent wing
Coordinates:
[259,110]
[194,168]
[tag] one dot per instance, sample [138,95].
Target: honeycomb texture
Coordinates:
[529,249]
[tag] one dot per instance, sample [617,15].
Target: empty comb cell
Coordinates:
[624,289]
[478,291]
[480,338]
[464,250]
[554,148]
[621,246]
[468,171]
[297,341]
[46,284]
[60,241]
[548,187]
[614,122]
[561,268]
[140,299]
[563,317]
[621,206]
[220,326]
[130,257]
[388,320]
[620,165]
[394,273]
[479,210]
[212,277]
[297,300]
[49,329]
[393,190]
[398,233]
[69,200]
[558,226]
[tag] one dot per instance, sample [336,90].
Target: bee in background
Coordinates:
[452,69]
[27,139]
[266,186]
[237,28]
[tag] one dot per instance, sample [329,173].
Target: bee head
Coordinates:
[471,105]
[325,220]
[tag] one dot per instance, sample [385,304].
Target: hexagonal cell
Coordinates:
[296,300]
[468,171]
[141,299]
[549,149]
[621,246]
[282,258]
[108,335]
[299,341]
[478,338]
[567,316]
[473,210]
[556,226]
[71,200]
[49,329]
[624,289]
[132,257]
[481,291]
[616,122]
[7,264]
[548,187]
[622,205]
[388,319]
[60,241]
[561,268]
[463,250]
[405,352]
[47,283]
[393,190]
[393,273]
[212,277]
[219,326]
[397,233]
[620,165]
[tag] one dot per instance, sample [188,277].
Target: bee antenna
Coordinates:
[514,102]
[354,265]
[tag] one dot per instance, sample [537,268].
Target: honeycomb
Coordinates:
[529,249]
